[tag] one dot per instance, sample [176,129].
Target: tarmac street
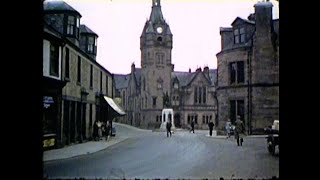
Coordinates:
[144,154]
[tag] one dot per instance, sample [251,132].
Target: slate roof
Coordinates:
[156,14]
[265,4]
[245,20]
[150,28]
[86,29]
[184,77]
[58,6]
[168,32]
[225,29]
[121,81]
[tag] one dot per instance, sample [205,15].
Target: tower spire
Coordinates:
[155,3]
[156,13]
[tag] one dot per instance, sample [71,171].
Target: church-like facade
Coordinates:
[145,91]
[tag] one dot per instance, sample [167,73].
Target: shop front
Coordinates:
[51,112]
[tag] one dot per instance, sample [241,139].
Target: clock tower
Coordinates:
[156,64]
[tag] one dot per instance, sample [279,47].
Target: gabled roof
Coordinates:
[184,77]
[58,6]
[121,81]
[239,19]
[86,29]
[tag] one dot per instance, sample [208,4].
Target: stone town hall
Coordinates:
[147,90]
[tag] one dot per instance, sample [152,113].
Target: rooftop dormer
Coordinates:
[63,18]
[88,40]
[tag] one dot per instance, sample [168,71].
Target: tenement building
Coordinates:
[248,70]
[147,90]
[75,84]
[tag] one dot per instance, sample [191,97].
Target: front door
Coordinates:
[177,121]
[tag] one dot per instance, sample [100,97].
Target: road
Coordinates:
[150,155]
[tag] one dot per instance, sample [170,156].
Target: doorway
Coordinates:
[177,121]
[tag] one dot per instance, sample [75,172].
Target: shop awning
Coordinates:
[114,106]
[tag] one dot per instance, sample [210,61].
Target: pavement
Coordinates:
[95,146]
[87,147]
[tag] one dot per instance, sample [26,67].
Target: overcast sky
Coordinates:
[194,24]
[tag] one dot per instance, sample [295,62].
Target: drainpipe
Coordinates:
[249,131]
[249,110]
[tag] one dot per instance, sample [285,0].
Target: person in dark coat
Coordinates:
[168,126]
[192,126]
[95,131]
[210,127]
[239,131]
[107,129]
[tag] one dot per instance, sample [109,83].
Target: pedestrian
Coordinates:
[210,127]
[95,131]
[108,127]
[168,126]
[239,131]
[228,128]
[99,130]
[192,126]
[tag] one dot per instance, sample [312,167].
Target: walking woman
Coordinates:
[228,128]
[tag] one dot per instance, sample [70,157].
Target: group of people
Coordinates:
[238,129]
[101,129]
[210,124]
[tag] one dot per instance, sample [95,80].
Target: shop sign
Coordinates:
[48,100]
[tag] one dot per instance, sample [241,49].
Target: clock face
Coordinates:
[159,29]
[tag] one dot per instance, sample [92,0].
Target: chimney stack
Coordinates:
[133,68]
[206,71]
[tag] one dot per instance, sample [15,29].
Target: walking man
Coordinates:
[210,127]
[192,126]
[168,126]
[239,131]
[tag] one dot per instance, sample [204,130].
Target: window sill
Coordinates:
[79,83]
[54,74]
[237,84]
[91,88]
